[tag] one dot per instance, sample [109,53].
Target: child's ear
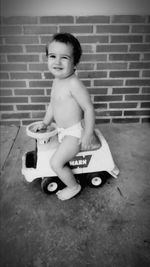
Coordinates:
[75,71]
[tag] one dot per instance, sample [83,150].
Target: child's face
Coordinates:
[60,59]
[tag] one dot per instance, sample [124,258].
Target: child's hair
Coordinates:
[68,38]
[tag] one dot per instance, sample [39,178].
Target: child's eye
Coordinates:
[65,57]
[51,56]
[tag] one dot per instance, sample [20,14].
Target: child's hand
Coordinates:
[86,142]
[39,127]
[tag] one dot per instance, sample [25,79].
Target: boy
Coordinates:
[70,102]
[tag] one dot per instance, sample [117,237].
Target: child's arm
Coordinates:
[47,119]
[48,116]
[81,95]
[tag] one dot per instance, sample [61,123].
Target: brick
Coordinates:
[38,115]
[137,97]
[112,29]
[108,113]
[121,74]
[13,67]
[140,47]
[41,99]
[102,121]
[126,39]
[93,19]
[4,76]
[6,108]
[114,65]
[107,98]
[28,92]
[146,56]
[139,65]
[94,57]
[87,83]
[14,100]
[100,106]
[15,116]
[134,82]
[13,84]
[87,48]
[92,74]
[22,40]
[123,105]
[5,92]
[128,19]
[40,84]
[117,113]
[48,75]
[30,107]
[56,19]
[35,48]
[1,40]
[146,90]
[10,30]
[137,113]
[125,120]
[146,73]
[126,90]
[97,91]
[107,82]
[147,38]
[85,66]
[77,29]
[2,59]
[40,29]
[45,39]
[20,20]
[11,49]
[141,29]
[38,67]
[23,58]
[48,92]
[145,120]
[93,39]
[44,58]
[145,105]
[124,57]
[111,48]
[25,75]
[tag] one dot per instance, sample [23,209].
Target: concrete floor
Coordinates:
[104,227]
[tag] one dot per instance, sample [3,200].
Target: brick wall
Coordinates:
[115,66]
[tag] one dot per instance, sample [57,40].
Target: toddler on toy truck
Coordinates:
[70,104]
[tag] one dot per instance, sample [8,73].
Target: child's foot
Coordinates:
[68,192]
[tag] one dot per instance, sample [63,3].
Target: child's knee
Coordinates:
[55,164]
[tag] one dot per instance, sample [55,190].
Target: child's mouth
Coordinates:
[58,68]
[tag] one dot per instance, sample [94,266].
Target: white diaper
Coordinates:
[75,130]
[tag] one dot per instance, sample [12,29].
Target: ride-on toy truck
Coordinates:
[89,167]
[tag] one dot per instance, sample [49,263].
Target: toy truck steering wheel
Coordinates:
[43,134]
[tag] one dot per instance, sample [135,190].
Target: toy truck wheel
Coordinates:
[94,180]
[51,185]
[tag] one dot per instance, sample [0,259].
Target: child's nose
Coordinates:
[57,60]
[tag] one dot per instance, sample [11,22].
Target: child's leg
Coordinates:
[65,152]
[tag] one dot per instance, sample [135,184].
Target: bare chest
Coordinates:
[60,95]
